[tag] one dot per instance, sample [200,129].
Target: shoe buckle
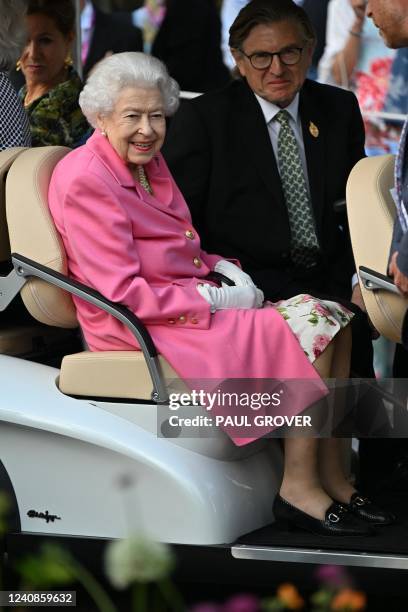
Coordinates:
[333,518]
[360,501]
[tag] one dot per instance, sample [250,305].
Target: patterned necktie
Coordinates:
[304,243]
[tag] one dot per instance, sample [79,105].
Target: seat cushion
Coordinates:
[114,374]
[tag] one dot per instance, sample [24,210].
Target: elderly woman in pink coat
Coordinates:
[128,233]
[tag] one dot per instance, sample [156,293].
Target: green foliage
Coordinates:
[52,567]
[4,508]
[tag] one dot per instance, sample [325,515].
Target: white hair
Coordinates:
[12,31]
[121,70]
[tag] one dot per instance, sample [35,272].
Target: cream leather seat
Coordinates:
[22,337]
[113,374]
[6,159]
[371,212]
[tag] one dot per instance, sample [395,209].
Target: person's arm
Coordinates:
[340,18]
[100,235]
[345,61]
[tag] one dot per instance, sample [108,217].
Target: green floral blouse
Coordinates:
[56,118]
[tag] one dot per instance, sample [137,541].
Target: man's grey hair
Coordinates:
[12,32]
[121,70]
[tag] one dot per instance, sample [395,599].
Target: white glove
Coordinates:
[221,298]
[233,272]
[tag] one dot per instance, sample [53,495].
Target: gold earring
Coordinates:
[68,60]
[18,65]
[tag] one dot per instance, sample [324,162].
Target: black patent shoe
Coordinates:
[338,520]
[362,507]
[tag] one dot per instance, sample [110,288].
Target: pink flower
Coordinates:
[306,298]
[381,67]
[333,575]
[321,309]
[319,344]
[372,86]
[242,603]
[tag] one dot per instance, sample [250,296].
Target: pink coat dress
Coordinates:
[141,250]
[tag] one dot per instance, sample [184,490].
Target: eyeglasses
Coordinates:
[263,59]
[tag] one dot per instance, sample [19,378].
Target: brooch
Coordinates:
[313,129]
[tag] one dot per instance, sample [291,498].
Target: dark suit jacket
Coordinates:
[112,32]
[219,151]
[188,42]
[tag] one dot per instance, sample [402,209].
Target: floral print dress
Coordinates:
[314,322]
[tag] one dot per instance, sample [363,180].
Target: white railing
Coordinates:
[381,115]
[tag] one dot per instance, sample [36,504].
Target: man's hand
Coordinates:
[359,7]
[357,297]
[400,280]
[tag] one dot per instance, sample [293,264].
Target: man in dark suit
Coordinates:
[222,150]
[188,42]
[108,33]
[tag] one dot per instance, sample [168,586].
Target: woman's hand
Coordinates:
[234,273]
[222,298]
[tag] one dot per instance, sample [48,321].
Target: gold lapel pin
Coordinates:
[313,129]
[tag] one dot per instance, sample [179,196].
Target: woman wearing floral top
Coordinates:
[52,88]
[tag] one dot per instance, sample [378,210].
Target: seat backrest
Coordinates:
[6,159]
[33,234]
[371,212]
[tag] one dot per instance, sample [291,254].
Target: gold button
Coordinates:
[197,262]
[194,321]
[171,321]
[190,234]
[182,319]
